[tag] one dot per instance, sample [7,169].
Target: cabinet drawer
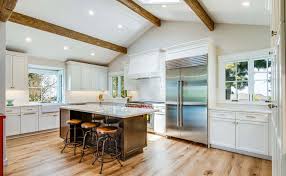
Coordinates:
[222,114]
[13,111]
[29,109]
[48,121]
[257,117]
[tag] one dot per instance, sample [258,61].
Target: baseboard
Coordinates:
[31,134]
[266,157]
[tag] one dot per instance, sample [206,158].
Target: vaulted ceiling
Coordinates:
[112,22]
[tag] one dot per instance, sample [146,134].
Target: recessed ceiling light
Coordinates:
[92,54]
[120,26]
[66,48]
[164,6]
[91,12]
[28,39]
[245,3]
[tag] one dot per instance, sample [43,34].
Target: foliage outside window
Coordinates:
[248,80]
[45,86]
[118,87]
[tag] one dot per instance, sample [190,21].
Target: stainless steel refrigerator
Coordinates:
[186,98]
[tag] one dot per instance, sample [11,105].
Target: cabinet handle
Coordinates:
[252,117]
[29,113]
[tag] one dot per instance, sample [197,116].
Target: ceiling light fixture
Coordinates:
[92,54]
[28,39]
[66,48]
[245,3]
[91,13]
[120,26]
[164,6]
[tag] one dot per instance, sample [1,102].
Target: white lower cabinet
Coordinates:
[252,137]
[29,122]
[160,123]
[247,132]
[223,132]
[49,121]
[13,125]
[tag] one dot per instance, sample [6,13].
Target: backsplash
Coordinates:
[20,97]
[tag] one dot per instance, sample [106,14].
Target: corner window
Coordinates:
[45,86]
[248,80]
[117,86]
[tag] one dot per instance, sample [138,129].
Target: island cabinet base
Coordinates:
[133,131]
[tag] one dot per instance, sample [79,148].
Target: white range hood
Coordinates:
[144,65]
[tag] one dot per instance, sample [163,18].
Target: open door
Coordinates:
[278,104]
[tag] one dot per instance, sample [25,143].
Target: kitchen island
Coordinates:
[132,124]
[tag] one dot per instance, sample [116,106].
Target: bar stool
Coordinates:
[108,136]
[69,141]
[89,129]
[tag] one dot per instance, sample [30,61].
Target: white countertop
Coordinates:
[109,110]
[242,109]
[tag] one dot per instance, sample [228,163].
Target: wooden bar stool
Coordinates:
[69,141]
[108,136]
[89,129]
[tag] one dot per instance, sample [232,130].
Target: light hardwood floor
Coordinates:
[40,155]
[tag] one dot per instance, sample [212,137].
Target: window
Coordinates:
[247,80]
[117,83]
[45,86]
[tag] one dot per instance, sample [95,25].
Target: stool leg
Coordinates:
[74,138]
[116,153]
[97,150]
[102,156]
[83,146]
[66,141]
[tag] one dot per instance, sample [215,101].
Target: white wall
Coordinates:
[228,38]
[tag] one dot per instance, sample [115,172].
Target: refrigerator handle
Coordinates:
[181,104]
[178,105]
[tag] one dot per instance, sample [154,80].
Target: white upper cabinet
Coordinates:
[144,65]
[86,77]
[129,84]
[73,77]
[16,72]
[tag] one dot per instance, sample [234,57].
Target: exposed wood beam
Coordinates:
[6,9]
[141,11]
[55,29]
[201,13]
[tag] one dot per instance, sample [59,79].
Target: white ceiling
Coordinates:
[108,14]
[221,11]
[74,14]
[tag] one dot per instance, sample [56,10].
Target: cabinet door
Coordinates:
[13,125]
[222,132]
[252,137]
[29,122]
[103,80]
[74,77]
[86,83]
[9,69]
[20,73]
[160,123]
[48,121]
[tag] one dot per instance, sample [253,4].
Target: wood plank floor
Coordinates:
[40,155]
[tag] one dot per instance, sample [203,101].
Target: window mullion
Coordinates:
[251,79]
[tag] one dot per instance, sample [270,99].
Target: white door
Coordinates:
[222,132]
[20,74]
[29,123]
[252,137]
[13,125]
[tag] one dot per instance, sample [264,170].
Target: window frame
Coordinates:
[241,57]
[49,70]
[119,75]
